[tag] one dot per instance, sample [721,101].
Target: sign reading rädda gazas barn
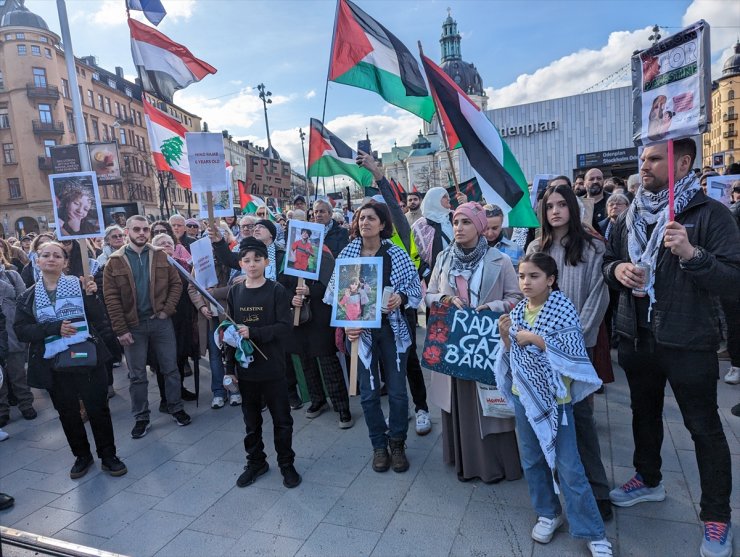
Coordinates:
[462,343]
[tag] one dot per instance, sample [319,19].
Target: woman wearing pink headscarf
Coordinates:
[469,273]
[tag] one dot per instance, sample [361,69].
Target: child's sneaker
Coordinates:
[636,491]
[545,528]
[717,540]
[600,548]
[235,399]
[217,402]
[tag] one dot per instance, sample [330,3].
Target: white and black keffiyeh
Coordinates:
[649,209]
[404,279]
[271,270]
[538,376]
[68,305]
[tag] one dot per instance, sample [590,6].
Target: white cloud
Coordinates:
[311,94]
[574,73]
[111,13]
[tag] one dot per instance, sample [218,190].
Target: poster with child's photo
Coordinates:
[358,289]
[721,187]
[303,249]
[78,209]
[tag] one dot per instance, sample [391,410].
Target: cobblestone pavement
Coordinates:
[179,497]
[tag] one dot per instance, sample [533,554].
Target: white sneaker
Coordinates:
[3,435]
[600,548]
[545,528]
[235,399]
[733,376]
[423,423]
[217,402]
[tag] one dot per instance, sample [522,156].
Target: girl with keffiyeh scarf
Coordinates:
[372,229]
[542,372]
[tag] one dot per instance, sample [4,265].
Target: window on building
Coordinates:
[106,137]
[20,36]
[14,188]
[8,153]
[90,98]
[35,50]
[124,113]
[8,37]
[111,83]
[96,76]
[87,129]
[731,144]
[45,113]
[100,102]
[39,78]
[730,94]
[732,127]
[128,92]
[43,39]
[107,105]
[730,109]
[21,50]
[4,120]
[96,130]
[65,88]
[2,81]
[131,137]
[47,53]
[122,135]
[117,108]
[71,122]
[48,144]
[127,164]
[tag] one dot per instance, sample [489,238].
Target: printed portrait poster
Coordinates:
[104,161]
[303,249]
[357,292]
[78,209]
[462,343]
[720,187]
[539,185]
[223,204]
[671,87]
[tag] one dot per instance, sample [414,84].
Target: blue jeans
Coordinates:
[584,519]
[384,348]
[217,364]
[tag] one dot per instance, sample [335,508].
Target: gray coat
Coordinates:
[11,288]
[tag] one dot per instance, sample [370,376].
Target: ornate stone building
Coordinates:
[721,146]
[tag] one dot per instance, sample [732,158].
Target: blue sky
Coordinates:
[524,50]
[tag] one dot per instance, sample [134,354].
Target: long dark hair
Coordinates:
[576,240]
[381,209]
[544,263]
[166,225]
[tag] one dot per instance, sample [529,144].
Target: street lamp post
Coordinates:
[265,96]
[303,149]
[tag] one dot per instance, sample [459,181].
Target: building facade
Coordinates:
[721,146]
[36,115]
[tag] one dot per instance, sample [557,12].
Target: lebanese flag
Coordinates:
[365,54]
[499,177]
[330,156]
[167,141]
[164,65]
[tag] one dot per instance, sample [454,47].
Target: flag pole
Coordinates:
[671,181]
[444,135]
[326,89]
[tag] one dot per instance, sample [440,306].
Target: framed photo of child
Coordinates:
[78,209]
[303,248]
[358,293]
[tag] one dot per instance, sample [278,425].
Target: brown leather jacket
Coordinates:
[119,291]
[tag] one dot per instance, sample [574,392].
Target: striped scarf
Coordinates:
[69,305]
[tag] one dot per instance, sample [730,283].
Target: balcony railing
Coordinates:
[728,117]
[40,127]
[45,163]
[48,92]
[729,134]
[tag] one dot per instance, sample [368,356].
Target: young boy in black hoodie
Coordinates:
[261,309]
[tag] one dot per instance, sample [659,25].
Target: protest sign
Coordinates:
[268,178]
[539,185]
[356,301]
[65,159]
[201,290]
[671,87]
[223,204]
[720,187]
[304,249]
[203,264]
[207,161]
[463,343]
[78,209]
[104,161]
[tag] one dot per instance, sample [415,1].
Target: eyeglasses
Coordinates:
[159,231]
[192,226]
[137,229]
[618,203]
[248,226]
[116,236]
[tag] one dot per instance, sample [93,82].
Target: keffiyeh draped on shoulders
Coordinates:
[538,376]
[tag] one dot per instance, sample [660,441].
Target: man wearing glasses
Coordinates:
[177,222]
[141,290]
[246,227]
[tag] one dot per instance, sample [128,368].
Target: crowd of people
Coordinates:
[606,269]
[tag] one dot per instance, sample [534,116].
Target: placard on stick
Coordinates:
[207,162]
[304,248]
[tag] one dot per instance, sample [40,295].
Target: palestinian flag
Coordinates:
[365,54]
[164,65]
[249,203]
[499,177]
[471,190]
[167,141]
[330,156]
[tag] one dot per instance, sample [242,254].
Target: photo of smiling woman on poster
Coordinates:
[77,206]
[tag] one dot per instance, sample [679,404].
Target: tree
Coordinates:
[172,149]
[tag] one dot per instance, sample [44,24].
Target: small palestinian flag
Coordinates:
[470,188]
[330,156]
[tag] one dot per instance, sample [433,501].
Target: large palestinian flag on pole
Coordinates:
[499,176]
[365,54]
[330,156]
[167,141]
[164,65]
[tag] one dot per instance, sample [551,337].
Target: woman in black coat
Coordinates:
[68,386]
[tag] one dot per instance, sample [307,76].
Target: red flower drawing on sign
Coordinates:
[439,331]
[432,355]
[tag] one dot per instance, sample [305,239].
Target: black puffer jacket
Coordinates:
[336,239]
[27,329]
[684,315]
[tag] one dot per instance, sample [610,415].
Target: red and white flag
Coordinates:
[164,65]
[167,140]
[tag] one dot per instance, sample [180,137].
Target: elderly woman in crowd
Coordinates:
[617,204]
[114,239]
[471,274]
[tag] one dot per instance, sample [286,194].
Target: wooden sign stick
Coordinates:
[84,257]
[211,218]
[355,354]
[297,311]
